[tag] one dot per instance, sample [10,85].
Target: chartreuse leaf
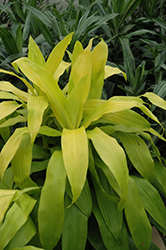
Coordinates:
[12,121]
[61,69]
[34,53]
[7,95]
[10,148]
[156,100]
[133,119]
[8,180]
[7,86]
[109,71]
[23,236]
[45,130]
[108,208]
[75,156]
[79,85]
[99,58]
[137,219]
[51,206]
[4,131]
[110,106]
[138,154]
[29,86]
[81,67]
[114,157]
[15,218]
[57,54]
[151,200]
[76,101]
[6,197]
[75,227]
[8,107]
[36,106]
[46,82]
[21,162]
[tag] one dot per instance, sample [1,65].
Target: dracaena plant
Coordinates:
[89,163]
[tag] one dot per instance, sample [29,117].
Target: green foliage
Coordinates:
[78,160]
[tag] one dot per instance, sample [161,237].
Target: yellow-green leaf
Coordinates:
[10,148]
[81,67]
[75,156]
[156,100]
[46,82]
[99,58]
[61,69]
[45,130]
[114,157]
[110,106]
[109,71]
[51,206]
[29,86]
[6,197]
[21,162]
[12,121]
[57,54]
[7,86]
[7,95]
[76,101]
[34,53]
[8,107]
[36,106]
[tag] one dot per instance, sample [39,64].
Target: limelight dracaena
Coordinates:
[81,119]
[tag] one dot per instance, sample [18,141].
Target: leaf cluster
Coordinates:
[84,165]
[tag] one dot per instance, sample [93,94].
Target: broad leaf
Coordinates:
[137,219]
[36,106]
[7,108]
[109,71]
[138,154]
[45,130]
[34,53]
[6,197]
[76,101]
[7,86]
[46,82]
[10,148]
[75,156]
[151,200]
[109,241]
[114,157]
[74,228]
[28,248]
[156,100]
[23,236]
[57,54]
[21,162]
[99,58]
[15,218]
[51,206]
[112,105]
[108,208]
